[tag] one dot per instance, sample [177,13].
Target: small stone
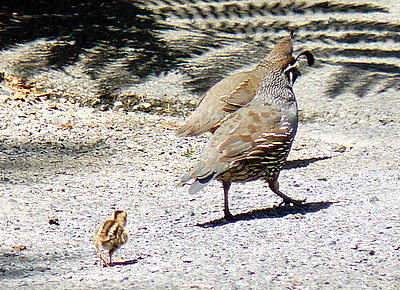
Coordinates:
[118,104]
[297,216]
[340,148]
[103,108]
[54,221]
[374,199]
[145,105]
[187,260]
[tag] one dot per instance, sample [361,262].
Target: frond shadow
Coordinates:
[360,78]
[116,38]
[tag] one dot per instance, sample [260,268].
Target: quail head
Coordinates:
[253,139]
[111,235]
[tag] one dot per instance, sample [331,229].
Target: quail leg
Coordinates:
[102,257]
[226,186]
[274,186]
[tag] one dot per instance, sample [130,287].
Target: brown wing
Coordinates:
[245,91]
[221,100]
[231,93]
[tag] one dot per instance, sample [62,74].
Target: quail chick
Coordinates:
[254,141]
[111,235]
[234,92]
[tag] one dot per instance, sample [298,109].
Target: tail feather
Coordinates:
[185,131]
[185,180]
[201,180]
[199,184]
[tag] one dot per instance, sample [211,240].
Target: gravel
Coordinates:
[65,168]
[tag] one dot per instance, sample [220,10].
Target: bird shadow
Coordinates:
[290,164]
[275,212]
[125,263]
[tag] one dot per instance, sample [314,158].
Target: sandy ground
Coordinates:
[65,168]
[73,165]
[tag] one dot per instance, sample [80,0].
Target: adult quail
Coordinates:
[234,92]
[254,140]
[111,235]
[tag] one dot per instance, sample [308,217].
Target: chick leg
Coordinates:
[102,257]
[110,253]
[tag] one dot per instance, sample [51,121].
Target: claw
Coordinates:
[295,202]
[228,215]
